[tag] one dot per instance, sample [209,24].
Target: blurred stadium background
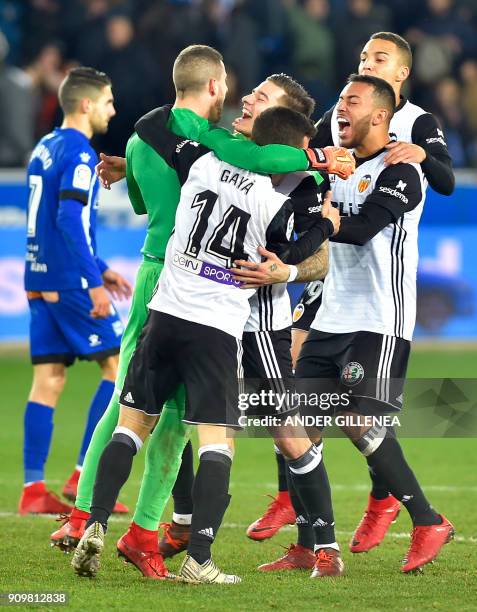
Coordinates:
[316,41]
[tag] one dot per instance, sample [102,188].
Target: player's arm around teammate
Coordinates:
[418,136]
[270,159]
[420,140]
[273,270]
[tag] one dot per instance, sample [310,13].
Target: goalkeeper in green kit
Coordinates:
[154,190]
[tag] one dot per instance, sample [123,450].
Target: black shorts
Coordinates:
[171,351]
[308,304]
[267,366]
[369,368]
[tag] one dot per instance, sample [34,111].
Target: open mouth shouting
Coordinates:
[344,128]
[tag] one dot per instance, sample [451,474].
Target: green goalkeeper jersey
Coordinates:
[235,149]
[154,188]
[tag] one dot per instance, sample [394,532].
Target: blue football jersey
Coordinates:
[61,167]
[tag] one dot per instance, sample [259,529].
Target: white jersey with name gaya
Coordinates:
[223,214]
[270,308]
[373,287]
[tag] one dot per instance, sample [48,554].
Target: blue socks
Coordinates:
[98,406]
[38,428]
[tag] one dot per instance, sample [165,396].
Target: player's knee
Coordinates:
[369,442]
[292,448]
[315,435]
[308,461]
[138,422]
[127,436]
[109,367]
[48,386]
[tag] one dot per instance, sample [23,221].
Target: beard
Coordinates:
[99,125]
[360,132]
[216,110]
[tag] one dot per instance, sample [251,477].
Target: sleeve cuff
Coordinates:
[102,265]
[73,194]
[330,227]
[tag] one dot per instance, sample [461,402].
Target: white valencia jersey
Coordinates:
[373,287]
[270,305]
[223,214]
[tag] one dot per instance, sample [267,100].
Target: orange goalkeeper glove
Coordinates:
[333,160]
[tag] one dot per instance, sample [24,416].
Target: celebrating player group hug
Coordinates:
[232,218]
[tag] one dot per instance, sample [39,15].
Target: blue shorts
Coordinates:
[62,331]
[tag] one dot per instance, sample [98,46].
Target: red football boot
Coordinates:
[70,487]
[71,532]
[295,557]
[139,547]
[70,491]
[36,499]
[372,528]
[328,563]
[120,508]
[426,542]
[175,539]
[279,513]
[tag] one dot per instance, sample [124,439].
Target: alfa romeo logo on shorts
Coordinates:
[352,374]
[298,312]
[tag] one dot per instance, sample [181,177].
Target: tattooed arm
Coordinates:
[274,270]
[315,267]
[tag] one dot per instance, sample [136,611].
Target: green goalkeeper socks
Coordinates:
[163,460]
[163,457]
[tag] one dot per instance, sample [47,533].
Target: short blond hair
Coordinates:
[193,68]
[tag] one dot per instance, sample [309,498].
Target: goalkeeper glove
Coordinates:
[333,160]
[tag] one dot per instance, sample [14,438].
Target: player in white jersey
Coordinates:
[360,338]
[267,338]
[193,334]
[418,138]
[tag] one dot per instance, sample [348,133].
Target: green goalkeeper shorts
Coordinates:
[146,280]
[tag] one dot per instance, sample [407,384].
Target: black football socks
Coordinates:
[380,487]
[182,491]
[309,477]
[306,537]
[113,471]
[389,463]
[210,499]
[282,471]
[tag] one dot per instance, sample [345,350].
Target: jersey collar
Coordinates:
[361,160]
[70,130]
[402,102]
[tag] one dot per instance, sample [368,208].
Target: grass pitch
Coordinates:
[373,582]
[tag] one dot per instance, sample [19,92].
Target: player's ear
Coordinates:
[380,116]
[213,87]
[84,105]
[403,73]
